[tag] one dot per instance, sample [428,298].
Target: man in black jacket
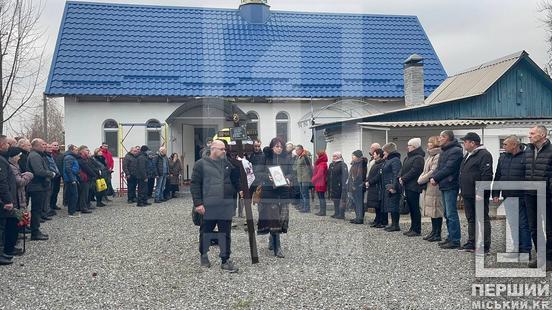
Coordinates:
[511,167]
[538,167]
[7,186]
[477,165]
[412,167]
[142,177]
[446,176]
[129,168]
[213,197]
[39,186]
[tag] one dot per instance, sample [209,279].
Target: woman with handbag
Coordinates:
[432,203]
[390,184]
[275,194]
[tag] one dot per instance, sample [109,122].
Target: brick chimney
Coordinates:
[255,11]
[414,81]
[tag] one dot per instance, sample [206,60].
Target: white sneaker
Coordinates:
[77,214]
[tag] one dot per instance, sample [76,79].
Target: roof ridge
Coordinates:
[231,9]
[493,62]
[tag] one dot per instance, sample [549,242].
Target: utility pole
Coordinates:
[45,116]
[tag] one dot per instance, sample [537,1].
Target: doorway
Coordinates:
[201,134]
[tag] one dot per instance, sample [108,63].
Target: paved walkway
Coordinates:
[123,257]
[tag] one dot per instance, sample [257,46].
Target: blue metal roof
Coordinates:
[139,50]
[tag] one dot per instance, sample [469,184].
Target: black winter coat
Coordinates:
[375,190]
[510,168]
[88,172]
[129,165]
[357,175]
[257,160]
[338,173]
[412,168]
[142,166]
[390,179]
[448,168]
[476,167]
[8,187]
[24,161]
[539,168]
[269,191]
[38,166]
[212,187]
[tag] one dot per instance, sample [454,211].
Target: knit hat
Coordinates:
[358,153]
[14,151]
[415,142]
[144,148]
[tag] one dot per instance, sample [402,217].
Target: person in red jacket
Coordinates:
[319,180]
[110,164]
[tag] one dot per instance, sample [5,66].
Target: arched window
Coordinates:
[111,136]
[153,134]
[252,124]
[282,126]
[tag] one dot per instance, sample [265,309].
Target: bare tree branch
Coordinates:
[21,57]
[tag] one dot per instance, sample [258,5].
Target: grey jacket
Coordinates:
[213,188]
[38,166]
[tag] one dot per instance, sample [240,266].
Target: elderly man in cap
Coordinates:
[477,165]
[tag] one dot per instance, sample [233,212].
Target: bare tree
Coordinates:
[545,7]
[21,55]
[34,127]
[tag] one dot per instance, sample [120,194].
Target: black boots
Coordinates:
[436,224]
[395,216]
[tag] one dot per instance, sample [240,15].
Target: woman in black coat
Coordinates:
[338,173]
[390,184]
[98,161]
[375,190]
[273,206]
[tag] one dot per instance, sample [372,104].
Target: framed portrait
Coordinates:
[278,176]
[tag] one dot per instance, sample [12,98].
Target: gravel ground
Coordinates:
[123,257]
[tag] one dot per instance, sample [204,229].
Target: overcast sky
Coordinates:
[464,33]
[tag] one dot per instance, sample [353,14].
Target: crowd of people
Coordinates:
[426,183]
[32,172]
[281,176]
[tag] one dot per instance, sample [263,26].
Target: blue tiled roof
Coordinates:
[139,50]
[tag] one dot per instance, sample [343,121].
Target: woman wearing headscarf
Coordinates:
[275,197]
